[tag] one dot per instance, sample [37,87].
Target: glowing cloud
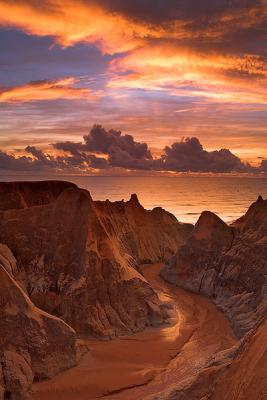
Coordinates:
[71,22]
[198,65]
[45,90]
[113,30]
[104,149]
[225,78]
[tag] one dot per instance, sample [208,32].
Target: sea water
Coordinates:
[184,196]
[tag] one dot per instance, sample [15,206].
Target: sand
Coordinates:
[138,366]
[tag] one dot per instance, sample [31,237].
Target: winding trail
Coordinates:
[139,366]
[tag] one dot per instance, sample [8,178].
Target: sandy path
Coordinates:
[146,363]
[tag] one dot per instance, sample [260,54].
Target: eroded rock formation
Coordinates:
[33,344]
[236,374]
[77,260]
[228,263]
[76,257]
[147,236]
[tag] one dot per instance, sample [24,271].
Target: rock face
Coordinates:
[245,377]
[17,195]
[76,257]
[228,263]
[33,344]
[239,373]
[147,236]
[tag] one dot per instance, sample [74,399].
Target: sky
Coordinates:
[114,86]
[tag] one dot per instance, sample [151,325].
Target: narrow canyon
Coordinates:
[105,299]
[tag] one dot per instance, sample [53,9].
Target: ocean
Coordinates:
[184,196]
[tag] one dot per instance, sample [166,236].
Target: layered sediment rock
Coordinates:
[147,236]
[76,257]
[228,263]
[33,344]
[239,373]
[17,195]
[78,260]
[245,377]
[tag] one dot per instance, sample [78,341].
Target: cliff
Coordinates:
[236,374]
[76,257]
[34,345]
[70,265]
[228,263]
[77,260]
[147,236]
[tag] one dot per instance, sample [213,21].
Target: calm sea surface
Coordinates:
[185,197]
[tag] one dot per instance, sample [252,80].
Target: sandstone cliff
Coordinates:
[78,260]
[228,263]
[76,257]
[17,195]
[147,236]
[33,344]
[236,374]
[245,377]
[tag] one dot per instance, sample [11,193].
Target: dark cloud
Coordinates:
[9,162]
[41,162]
[263,166]
[232,26]
[161,10]
[189,155]
[104,149]
[70,147]
[123,159]
[108,142]
[38,154]
[236,27]
[122,150]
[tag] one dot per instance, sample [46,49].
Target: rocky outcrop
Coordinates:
[147,236]
[76,258]
[245,377]
[33,344]
[228,263]
[17,195]
[239,373]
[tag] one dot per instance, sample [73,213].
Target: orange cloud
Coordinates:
[71,22]
[181,71]
[113,31]
[182,53]
[161,66]
[45,90]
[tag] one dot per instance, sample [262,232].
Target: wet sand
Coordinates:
[141,365]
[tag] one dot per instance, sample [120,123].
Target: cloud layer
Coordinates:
[117,26]
[45,90]
[145,66]
[189,155]
[122,150]
[106,149]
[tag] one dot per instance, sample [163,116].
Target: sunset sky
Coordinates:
[180,79]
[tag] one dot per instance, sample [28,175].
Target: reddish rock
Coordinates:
[228,263]
[239,373]
[244,378]
[33,344]
[77,258]
[17,195]
[147,236]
